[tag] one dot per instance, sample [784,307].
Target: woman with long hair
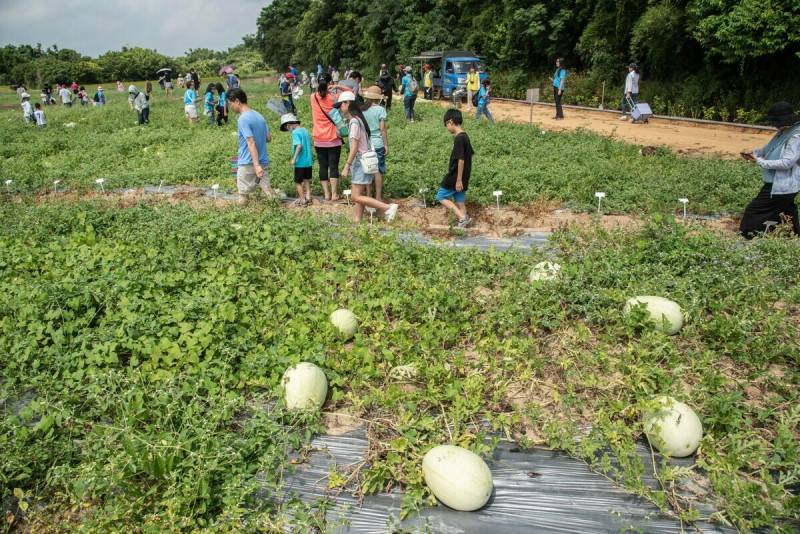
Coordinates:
[559,80]
[222,105]
[327,143]
[359,144]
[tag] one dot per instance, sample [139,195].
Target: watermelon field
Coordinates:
[143,343]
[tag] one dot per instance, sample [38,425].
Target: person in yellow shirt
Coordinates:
[473,84]
[427,81]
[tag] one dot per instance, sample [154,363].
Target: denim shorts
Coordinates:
[357,175]
[451,193]
[381,152]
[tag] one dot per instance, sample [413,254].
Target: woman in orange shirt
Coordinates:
[327,142]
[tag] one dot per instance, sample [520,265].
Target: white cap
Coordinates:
[286,119]
[24,95]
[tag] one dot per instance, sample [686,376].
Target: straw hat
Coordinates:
[373,93]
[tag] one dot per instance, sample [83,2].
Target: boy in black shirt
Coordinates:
[453,189]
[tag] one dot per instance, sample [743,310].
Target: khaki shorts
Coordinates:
[246,179]
[190,111]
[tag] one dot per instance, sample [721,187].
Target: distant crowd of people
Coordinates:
[342,108]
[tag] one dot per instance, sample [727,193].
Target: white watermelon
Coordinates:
[345,321]
[659,309]
[674,428]
[305,386]
[545,271]
[457,477]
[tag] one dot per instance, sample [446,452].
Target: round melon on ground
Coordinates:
[673,428]
[305,386]
[457,477]
[345,321]
[659,309]
[544,271]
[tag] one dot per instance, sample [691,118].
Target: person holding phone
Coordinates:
[780,166]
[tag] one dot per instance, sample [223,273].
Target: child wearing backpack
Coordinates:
[410,87]
[453,189]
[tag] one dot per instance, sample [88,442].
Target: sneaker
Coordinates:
[463,223]
[391,212]
[623,118]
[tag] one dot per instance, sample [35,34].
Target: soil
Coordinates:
[510,221]
[682,137]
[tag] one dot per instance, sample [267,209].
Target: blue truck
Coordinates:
[450,68]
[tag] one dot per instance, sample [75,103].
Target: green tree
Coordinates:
[741,30]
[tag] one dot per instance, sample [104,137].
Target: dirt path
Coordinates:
[684,138]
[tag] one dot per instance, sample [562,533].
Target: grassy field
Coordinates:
[151,341]
[143,343]
[83,144]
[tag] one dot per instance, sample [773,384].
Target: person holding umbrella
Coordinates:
[165,80]
[230,78]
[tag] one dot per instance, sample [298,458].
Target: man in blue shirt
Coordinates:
[231,80]
[253,138]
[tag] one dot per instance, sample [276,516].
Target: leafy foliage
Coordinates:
[149,340]
[526,163]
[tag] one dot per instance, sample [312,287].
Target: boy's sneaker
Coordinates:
[391,212]
[463,223]
[623,118]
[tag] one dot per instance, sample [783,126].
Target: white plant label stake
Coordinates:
[347,193]
[685,201]
[497,195]
[55,186]
[214,189]
[599,196]
[422,191]
[159,185]
[8,183]
[100,181]
[371,211]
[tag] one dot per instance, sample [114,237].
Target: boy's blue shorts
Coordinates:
[448,193]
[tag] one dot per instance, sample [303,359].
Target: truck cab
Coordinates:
[450,69]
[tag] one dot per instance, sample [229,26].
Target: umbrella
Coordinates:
[227,68]
[159,71]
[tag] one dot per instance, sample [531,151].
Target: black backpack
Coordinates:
[476,97]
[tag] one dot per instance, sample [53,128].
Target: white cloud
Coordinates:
[93,27]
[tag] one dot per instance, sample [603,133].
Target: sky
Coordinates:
[93,27]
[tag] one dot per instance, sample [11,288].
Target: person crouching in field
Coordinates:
[253,138]
[301,157]
[453,189]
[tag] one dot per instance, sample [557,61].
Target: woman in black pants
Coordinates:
[327,142]
[559,80]
[780,168]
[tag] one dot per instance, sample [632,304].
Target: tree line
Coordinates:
[725,53]
[35,66]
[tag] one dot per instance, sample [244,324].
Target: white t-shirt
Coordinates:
[27,109]
[66,96]
[39,116]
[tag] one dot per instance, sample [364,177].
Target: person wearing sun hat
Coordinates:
[780,167]
[301,157]
[359,136]
[409,97]
[376,120]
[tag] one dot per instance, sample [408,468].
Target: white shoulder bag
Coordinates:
[369,159]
